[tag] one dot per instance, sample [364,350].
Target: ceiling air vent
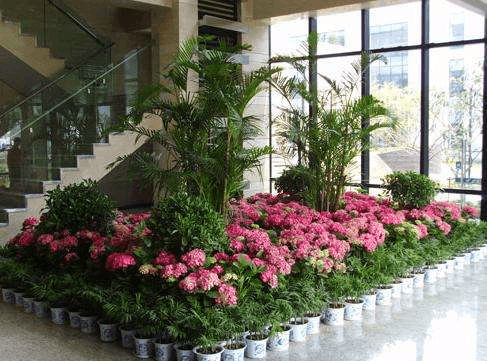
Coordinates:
[223,9]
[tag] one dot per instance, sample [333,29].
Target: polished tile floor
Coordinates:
[444,321]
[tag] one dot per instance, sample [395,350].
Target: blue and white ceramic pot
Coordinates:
[28,304]
[144,346]
[298,330]
[163,351]
[87,323]
[334,314]
[384,295]
[41,309]
[280,340]
[127,338]
[450,265]
[184,353]
[430,275]
[441,272]
[234,352]
[256,348]
[407,284]
[19,298]
[214,356]
[396,289]
[459,262]
[8,295]
[108,331]
[418,281]
[314,320]
[369,301]
[353,310]
[74,320]
[58,315]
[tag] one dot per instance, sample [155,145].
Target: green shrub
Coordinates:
[294,180]
[410,189]
[182,222]
[76,207]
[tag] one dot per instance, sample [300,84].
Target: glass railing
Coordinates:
[63,120]
[67,36]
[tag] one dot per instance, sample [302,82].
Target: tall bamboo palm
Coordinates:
[204,132]
[334,134]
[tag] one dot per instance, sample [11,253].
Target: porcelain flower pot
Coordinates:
[298,330]
[41,309]
[163,351]
[353,310]
[280,340]
[58,315]
[184,353]
[334,314]
[204,355]
[384,295]
[87,323]
[108,331]
[8,295]
[74,320]
[256,346]
[430,275]
[28,304]
[314,320]
[407,284]
[144,347]
[418,281]
[369,301]
[234,351]
[127,336]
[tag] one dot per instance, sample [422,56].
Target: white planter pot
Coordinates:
[28,304]
[450,266]
[369,302]
[384,296]
[353,310]
[418,280]
[298,330]
[313,324]
[88,323]
[280,340]
[108,332]
[127,338]
[407,285]
[163,351]
[430,275]
[441,273]
[208,357]
[232,354]
[396,289]
[144,347]
[58,315]
[255,348]
[334,315]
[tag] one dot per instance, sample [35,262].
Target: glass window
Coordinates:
[449,21]
[289,36]
[456,92]
[340,71]
[339,33]
[397,84]
[395,25]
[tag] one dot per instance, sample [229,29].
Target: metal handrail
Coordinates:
[63,8]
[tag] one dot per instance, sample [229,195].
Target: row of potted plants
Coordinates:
[182,272]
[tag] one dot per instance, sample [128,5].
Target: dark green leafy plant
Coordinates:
[182,222]
[294,180]
[76,207]
[202,140]
[410,189]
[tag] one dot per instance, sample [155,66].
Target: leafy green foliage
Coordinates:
[330,137]
[76,207]
[203,147]
[182,222]
[410,189]
[294,180]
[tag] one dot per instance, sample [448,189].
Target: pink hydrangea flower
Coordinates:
[174,270]
[189,283]
[195,258]
[118,260]
[164,258]
[227,295]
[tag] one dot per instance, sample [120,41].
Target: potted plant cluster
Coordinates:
[207,271]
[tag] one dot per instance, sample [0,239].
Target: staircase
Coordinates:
[88,166]
[24,48]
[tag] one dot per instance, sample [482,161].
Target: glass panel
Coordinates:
[397,84]
[456,92]
[287,37]
[339,33]
[48,131]
[395,25]
[461,199]
[336,69]
[449,21]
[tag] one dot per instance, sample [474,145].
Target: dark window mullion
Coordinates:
[483,202]
[424,146]
[365,155]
